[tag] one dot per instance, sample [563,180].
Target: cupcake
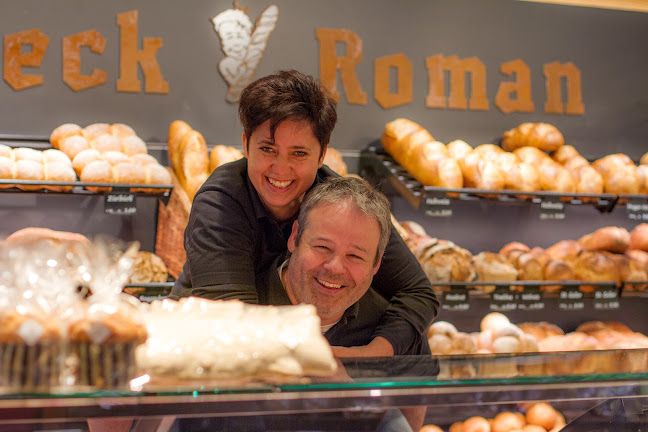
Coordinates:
[31,351]
[102,345]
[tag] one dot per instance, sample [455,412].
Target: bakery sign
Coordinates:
[512,96]
[244,44]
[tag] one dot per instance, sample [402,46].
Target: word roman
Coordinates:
[130,57]
[512,96]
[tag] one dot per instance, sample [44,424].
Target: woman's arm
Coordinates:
[413,303]
[220,247]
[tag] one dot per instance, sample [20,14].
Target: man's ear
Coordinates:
[321,161]
[293,237]
[245,145]
[375,270]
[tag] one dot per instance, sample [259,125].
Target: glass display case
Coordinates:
[594,390]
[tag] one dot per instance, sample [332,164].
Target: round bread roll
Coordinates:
[557,270]
[532,155]
[121,130]
[476,424]
[574,165]
[642,174]
[63,131]
[94,130]
[565,250]
[493,267]
[542,414]
[458,149]
[449,174]
[442,327]
[524,177]
[595,266]
[440,344]
[494,320]
[533,428]
[506,422]
[73,145]
[456,427]
[430,428]
[589,182]
[564,154]
[529,268]
[611,238]
[223,154]
[540,330]
[543,136]
[513,246]
[644,159]
[639,256]
[639,237]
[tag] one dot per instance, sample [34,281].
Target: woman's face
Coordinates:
[284,169]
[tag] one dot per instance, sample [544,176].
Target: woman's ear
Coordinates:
[321,161]
[244,143]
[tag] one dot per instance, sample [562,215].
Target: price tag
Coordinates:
[437,204]
[606,299]
[570,298]
[531,299]
[118,203]
[503,300]
[637,209]
[456,299]
[551,208]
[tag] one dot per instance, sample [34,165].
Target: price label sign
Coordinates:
[531,299]
[118,203]
[456,299]
[551,208]
[606,299]
[437,204]
[570,298]
[503,300]
[637,209]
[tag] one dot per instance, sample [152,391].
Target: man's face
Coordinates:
[282,170]
[333,265]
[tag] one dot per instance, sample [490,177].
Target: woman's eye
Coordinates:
[266,149]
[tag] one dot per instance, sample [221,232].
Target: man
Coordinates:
[336,246]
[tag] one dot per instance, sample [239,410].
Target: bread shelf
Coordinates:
[80,188]
[375,158]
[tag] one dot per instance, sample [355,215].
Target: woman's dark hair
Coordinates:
[288,95]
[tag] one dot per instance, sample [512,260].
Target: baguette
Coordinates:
[221,154]
[177,131]
[194,162]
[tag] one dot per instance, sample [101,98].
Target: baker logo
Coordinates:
[243,45]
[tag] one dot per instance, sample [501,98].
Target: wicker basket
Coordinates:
[172,221]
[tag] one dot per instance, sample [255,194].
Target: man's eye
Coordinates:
[322,248]
[301,153]
[356,257]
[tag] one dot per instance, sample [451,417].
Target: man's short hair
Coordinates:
[288,95]
[355,191]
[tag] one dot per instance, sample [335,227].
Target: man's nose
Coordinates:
[334,264]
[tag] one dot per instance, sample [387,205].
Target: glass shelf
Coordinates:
[363,384]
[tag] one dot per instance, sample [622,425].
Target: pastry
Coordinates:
[540,135]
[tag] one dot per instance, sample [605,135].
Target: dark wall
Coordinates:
[607,46]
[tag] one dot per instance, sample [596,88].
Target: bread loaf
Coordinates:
[644,159]
[619,174]
[595,266]
[642,175]
[458,149]
[395,132]
[566,250]
[492,267]
[540,135]
[23,163]
[71,139]
[333,159]
[611,238]
[639,237]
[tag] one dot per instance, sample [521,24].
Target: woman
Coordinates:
[242,215]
